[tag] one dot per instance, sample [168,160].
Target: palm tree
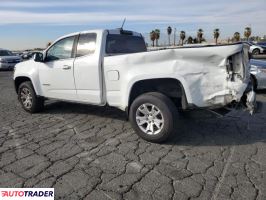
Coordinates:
[157,36]
[200,35]
[189,40]
[152,36]
[216,34]
[247,32]
[169,31]
[236,36]
[182,37]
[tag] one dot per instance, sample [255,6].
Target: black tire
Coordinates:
[167,109]
[37,102]
[256,52]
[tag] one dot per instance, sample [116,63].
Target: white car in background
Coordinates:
[255,49]
[258,73]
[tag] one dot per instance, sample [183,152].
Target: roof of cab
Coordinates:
[120,31]
[111,31]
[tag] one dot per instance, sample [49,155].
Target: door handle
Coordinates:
[66,67]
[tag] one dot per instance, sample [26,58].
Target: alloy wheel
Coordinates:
[149,119]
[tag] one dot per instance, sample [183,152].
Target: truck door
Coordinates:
[56,72]
[87,68]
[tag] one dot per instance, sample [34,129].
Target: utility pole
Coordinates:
[174,36]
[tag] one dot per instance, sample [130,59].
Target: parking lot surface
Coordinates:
[88,152]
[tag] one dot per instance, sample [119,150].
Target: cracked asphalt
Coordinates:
[88,152]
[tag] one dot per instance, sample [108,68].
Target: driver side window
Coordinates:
[61,50]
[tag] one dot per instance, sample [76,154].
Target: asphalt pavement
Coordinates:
[89,152]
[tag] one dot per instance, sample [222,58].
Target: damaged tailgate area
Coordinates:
[224,80]
[238,69]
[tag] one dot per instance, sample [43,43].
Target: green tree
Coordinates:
[247,33]
[152,37]
[157,36]
[199,35]
[216,34]
[169,32]
[182,37]
[236,37]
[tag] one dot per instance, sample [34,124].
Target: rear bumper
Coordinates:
[248,100]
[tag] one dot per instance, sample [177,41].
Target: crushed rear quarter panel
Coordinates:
[201,70]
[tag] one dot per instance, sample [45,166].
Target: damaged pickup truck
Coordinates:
[113,67]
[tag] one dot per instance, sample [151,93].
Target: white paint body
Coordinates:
[102,79]
[256,47]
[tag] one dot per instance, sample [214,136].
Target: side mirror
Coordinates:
[38,57]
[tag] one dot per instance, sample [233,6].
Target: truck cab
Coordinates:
[72,67]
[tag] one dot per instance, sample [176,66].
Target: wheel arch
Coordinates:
[20,79]
[171,87]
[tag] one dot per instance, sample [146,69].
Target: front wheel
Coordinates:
[153,116]
[28,98]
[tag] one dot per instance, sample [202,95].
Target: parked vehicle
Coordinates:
[8,60]
[113,67]
[258,73]
[262,44]
[256,49]
[29,55]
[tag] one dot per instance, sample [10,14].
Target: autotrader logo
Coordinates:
[27,193]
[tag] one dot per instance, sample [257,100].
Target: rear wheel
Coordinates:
[28,98]
[153,116]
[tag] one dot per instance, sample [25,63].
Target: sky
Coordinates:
[33,23]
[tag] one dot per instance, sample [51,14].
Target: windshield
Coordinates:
[121,44]
[5,53]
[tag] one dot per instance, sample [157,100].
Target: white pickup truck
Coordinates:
[113,67]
